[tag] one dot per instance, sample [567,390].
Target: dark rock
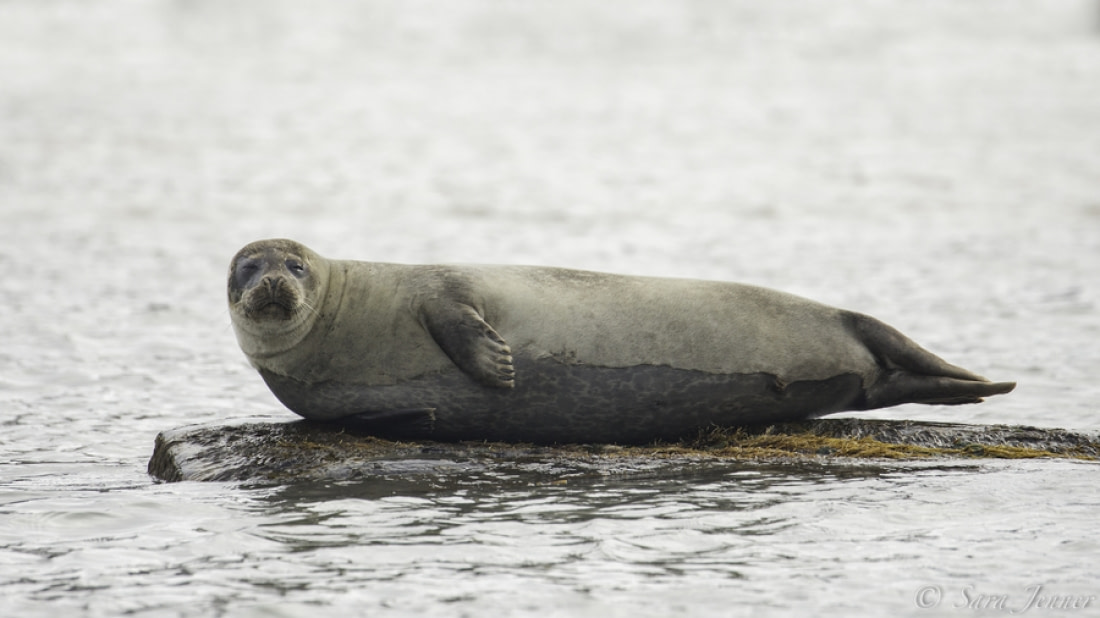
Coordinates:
[304,451]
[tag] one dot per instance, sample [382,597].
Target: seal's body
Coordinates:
[553,355]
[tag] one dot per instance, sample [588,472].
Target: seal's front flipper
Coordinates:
[903,387]
[471,344]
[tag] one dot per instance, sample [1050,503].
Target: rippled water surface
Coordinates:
[936,164]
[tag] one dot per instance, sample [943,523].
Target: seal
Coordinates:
[551,355]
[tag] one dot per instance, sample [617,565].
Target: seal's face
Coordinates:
[273,286]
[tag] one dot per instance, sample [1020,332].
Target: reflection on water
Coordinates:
[933,164]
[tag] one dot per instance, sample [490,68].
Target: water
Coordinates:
[933,164]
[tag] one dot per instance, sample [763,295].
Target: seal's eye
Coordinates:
[246,269]
[296,268]
[245,274]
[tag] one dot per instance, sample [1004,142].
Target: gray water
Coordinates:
[935,164]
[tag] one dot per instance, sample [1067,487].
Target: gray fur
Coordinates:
[553,355]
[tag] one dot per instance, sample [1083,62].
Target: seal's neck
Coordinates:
[261,342]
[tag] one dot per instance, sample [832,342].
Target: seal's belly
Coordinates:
[553,402]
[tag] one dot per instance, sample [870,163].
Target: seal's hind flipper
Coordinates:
[903,387]
[471,344]
[912,374]
[896,351]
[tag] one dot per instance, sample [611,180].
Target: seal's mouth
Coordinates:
[271,310]
[271,300]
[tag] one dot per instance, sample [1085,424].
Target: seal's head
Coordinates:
[274,288]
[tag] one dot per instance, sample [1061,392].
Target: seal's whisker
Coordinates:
[305,304]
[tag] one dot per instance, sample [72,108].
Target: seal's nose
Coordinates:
[271,283]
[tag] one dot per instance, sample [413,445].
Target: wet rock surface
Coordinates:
[301,451]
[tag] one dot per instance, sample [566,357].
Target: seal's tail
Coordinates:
[915,375]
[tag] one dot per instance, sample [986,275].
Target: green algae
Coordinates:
[744,444]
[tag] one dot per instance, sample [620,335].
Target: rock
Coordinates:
[265,452]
